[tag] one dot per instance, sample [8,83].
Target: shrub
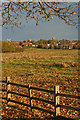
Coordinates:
[40,46]
[55,47]
[51,46]
[45,46]
[11,47]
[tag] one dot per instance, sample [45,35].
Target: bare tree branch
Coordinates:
[12,12]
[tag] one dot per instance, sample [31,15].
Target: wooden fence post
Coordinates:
[56,100]
[8,90]
[30,98]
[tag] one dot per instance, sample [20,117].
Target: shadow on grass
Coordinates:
[35,117]
[45,118]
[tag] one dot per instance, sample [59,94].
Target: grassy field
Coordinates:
[45,68]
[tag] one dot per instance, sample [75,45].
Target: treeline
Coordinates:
[13,46]
[51,44]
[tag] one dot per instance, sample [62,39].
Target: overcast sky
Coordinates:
[45,30]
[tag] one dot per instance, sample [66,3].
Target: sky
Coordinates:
[45,30]
[42,0]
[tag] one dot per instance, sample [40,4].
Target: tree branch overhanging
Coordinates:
[38,11]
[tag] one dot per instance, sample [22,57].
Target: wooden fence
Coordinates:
[56,102]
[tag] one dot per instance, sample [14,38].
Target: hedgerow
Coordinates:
[11,47]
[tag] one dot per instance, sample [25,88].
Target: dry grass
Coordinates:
[45,68]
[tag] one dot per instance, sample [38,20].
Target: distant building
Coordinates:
[25,43]
[48,45]
[33,45]
[70,47]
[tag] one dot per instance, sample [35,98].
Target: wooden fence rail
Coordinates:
[56,102]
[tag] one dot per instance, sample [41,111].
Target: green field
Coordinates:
[45,68]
